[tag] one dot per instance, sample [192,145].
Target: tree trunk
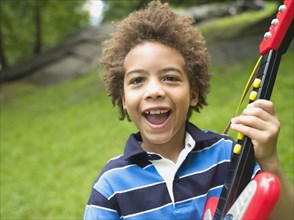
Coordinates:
[3,59]
[38,28]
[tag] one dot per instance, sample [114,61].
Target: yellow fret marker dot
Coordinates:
[240,136]
[253,96]
[256,83]
[237,149]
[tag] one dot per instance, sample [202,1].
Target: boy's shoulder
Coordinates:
[114,163]
[204,138]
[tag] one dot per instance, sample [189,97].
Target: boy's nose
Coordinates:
[154,90]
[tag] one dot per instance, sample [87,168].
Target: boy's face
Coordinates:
[157,92]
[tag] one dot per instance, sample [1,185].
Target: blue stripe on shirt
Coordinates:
[127,178]
[212,155]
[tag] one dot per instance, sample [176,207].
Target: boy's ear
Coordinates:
[123,103]
[194,98]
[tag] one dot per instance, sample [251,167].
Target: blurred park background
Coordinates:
[58,127]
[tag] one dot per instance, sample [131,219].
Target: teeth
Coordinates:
[156,112]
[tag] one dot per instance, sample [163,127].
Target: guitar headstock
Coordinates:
[274,38]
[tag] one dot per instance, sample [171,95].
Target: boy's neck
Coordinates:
[170,150]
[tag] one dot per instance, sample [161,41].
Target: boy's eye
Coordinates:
[137,80]
[171,79]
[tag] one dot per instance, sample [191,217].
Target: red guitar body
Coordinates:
[255,202]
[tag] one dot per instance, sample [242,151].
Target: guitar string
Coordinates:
[245,91]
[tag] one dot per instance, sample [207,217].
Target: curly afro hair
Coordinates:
[156,23]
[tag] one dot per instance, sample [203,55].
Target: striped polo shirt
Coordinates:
[130,187]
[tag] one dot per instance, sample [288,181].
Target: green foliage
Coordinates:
[59,19]
[17,36]
[224,26]
[115,10]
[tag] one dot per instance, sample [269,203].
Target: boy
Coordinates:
[157,74]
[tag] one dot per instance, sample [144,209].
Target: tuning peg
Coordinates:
[275,22]
[267,35]
[282,8]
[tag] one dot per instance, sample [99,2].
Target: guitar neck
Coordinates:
[243,163]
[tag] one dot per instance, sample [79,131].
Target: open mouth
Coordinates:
[157,117]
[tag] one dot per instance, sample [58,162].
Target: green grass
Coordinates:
[53,144]
[55,140]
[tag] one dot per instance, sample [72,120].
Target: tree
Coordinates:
[30,27]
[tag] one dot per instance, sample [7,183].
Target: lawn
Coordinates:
[56,139]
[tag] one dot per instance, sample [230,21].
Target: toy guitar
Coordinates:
[255,202]
[233,203]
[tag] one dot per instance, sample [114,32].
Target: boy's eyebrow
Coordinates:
[164,70]
[167,69]
[136,71]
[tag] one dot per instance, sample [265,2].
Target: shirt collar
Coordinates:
[189,144]
[134,149]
